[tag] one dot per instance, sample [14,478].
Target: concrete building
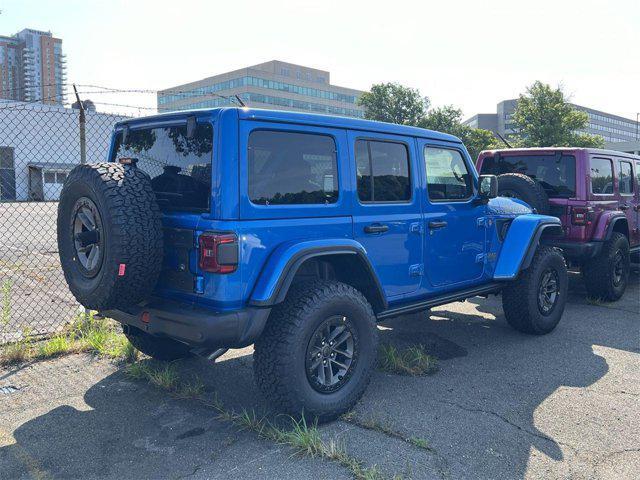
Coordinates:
[627,147]
[40,144]
[612,128]
[32,67]
[275,85]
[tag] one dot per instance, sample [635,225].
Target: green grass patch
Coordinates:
[166,376]
[85,334]
[411,361]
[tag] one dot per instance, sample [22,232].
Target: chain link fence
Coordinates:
[39,145]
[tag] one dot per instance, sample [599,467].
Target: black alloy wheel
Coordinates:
[331,354]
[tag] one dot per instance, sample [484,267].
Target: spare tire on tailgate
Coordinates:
[109,235]
[525,188]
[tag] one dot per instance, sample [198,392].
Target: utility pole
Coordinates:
[82,125]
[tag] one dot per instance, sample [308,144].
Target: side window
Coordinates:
[287,168]
[382,171]
[448,177]
[625,182]
[638,174]
[601,176]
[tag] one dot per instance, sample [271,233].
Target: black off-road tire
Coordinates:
[520,298]
[160,348]
[599,272]
[280,353]
[525,188]
[130,235]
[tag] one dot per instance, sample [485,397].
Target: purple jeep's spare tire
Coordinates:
[517,185]
[109,235]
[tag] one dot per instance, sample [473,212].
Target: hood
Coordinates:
[508,206]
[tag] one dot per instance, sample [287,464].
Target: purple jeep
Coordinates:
[596,195]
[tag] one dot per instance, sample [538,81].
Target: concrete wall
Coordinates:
[42,134]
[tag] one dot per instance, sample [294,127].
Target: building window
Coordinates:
[284,72]
[382,171]
[287,168]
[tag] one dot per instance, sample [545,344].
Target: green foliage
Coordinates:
[448,119]
[544,118]
[394,103]
[412,361]
[5,316]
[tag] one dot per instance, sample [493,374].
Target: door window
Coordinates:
[448,177]
[382,171]
[288,168]
[601,176]
[625,182]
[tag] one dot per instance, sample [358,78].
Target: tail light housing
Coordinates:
[581,216]
[218,252]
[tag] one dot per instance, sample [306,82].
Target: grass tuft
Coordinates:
[419,442]
[85,334]
[412,361]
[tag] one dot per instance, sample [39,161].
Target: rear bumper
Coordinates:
[577,251]
[196,326]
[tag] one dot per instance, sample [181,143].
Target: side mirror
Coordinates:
[488,187]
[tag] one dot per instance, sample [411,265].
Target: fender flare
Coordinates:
[515,258]
[613,219]
[282,265]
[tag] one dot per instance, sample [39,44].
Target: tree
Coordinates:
[394,103]
[544,118]
[448,119]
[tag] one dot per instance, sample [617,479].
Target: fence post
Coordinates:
[82,125]
[83,154]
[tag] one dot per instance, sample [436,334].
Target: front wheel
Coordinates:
[535,301]
[317,352]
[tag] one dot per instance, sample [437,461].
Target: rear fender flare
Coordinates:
[277,275]
[521,243]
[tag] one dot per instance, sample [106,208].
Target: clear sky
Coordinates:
[471,54]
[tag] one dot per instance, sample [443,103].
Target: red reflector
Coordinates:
[218,252]
[121,269]
[145,317]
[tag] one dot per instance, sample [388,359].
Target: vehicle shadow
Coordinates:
[488,398]
[480,412]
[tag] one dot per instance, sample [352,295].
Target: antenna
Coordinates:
[503,139]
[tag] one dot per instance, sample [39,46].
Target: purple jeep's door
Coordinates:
[627,195]
[636,207]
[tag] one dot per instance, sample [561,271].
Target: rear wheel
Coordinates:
[606,276]
[160,348]
[535,301]
[317,351]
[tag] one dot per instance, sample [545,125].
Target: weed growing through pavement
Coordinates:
[5,316]
[85,334]
[412,361]
[377,425]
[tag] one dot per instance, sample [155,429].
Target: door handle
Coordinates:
[376,228]
[624,207]
[436,225]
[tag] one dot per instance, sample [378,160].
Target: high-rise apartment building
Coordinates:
[32,67]
[276,85]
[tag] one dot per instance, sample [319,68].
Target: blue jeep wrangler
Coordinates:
[216,229]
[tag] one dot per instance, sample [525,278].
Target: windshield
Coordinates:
[179,164]
[556,173]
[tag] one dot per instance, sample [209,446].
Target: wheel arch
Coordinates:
[525,234]
[347,260]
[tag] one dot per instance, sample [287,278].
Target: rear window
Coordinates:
[287,168]
[556,173]
[179,164]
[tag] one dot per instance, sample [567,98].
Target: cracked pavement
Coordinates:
[502,405]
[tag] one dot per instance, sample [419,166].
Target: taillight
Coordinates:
[218,252]
[581,215]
